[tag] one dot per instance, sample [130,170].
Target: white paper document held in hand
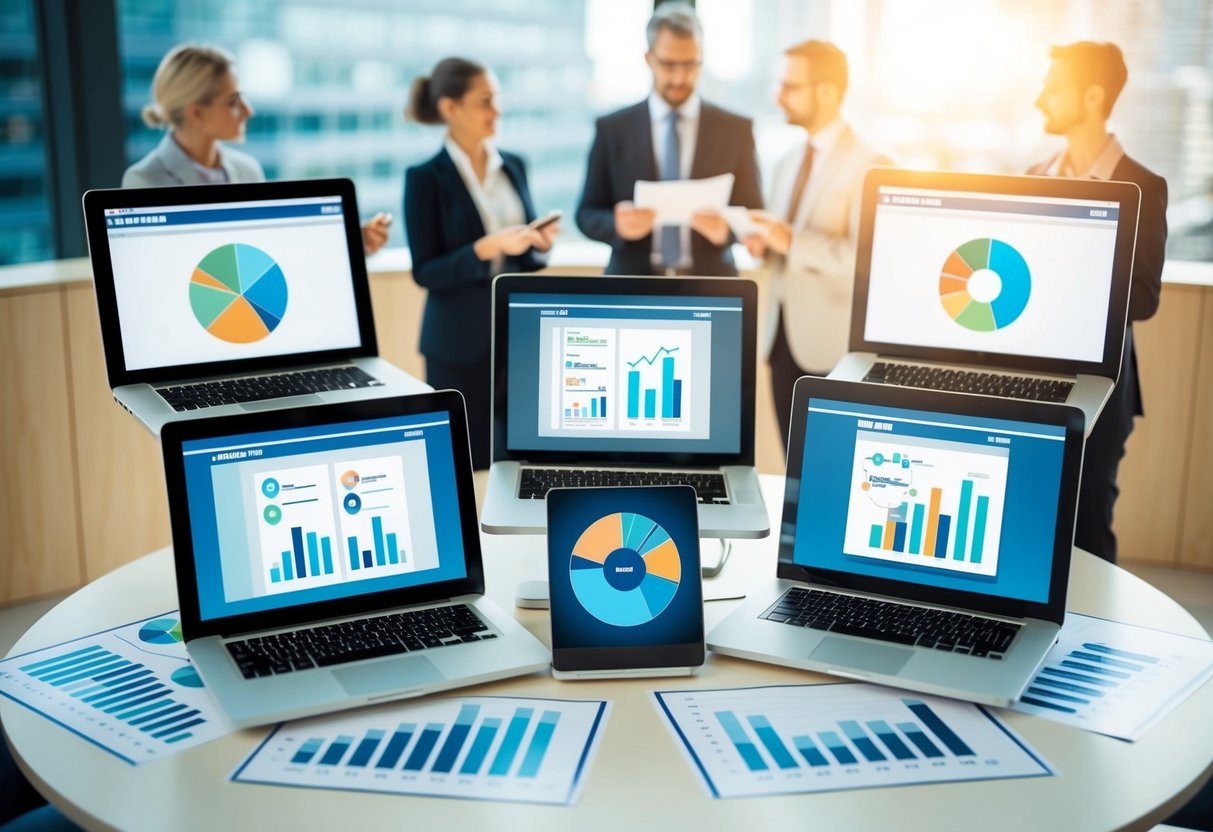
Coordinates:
[675,200]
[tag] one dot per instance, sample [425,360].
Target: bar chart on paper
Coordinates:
[131,690]
[812,738]
[1114,678]
[927,502]
[490,748]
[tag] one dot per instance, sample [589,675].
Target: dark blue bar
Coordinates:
[1123,654]
[261,212]
[337,750]
[396,746]
[1090,668]
[307,751]
[480,747]
[899,537]
[861,740]
[1040,703]
[779,752]
[146,686]
[809,751]
[159,713]
[938,727]
[366,558]
[941,535]
[1080,677]
[109,692]
[928,748]
[425,744]
[125,667]
[893,742]
[172,720]
[454,740]
[677,398]
[749,752]
[122,706]
[1092,657]
[1065,697]
[362,754]
[297,540]
[173,730]
[1057,683]
[839,749]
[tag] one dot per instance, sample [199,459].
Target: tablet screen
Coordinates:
[624,578]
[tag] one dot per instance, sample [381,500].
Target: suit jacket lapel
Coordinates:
[703,143]
[459,191]
[513,172]
[819,182]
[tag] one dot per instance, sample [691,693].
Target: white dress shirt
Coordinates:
[498,204]
[688,135]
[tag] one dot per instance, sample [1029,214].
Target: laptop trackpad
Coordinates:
[285,401]
[852,654]
[383,676]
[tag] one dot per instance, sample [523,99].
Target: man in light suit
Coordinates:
[809,237]
[671,135]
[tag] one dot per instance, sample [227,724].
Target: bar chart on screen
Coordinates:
[130,690]
[487,748]
[787,739]
[1114,678]
[295,528]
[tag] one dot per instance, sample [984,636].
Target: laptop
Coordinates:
[925,541]
[328,557]
[603,381]
[219,299]
[1013,286]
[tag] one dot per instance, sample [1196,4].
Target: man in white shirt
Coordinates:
[809,236]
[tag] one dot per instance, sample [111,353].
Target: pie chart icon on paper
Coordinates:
[625,569]
[238,293]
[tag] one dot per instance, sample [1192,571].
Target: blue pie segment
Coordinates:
[625,569]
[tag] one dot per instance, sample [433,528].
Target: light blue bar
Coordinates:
[288,566]
[126,715]
[509,745]
[916,529]
[60,661]
[738,736]
[962,520]
[313,554]
[91,674]
[129,675]
[650,404]
[275,576]
[1124,654]
[393,554]
[539,744]
[352,542]
[594,407]
[837,747]
[377,531]
[808,749]
[779,751]
[633,394]
[979,528]
[861,740]
[76,670]
[667,387]
[326,547]
[480,747]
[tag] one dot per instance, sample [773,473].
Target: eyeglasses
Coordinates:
[674,66]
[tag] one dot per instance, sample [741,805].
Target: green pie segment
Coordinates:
[238,293]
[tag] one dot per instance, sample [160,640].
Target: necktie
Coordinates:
[671,235]
[802,180]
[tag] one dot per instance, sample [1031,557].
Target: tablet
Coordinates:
[626,593]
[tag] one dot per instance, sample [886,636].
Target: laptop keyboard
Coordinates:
[536,482]
[254,388]
[352,641]
[851,615]
[964,381]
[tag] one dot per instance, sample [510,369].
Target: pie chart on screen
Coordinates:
[625,569]
[985,284]
[238,293]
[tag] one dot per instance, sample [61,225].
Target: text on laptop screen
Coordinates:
[288,517]
[624,373]
[953,502]
[227,281]
[1026,276]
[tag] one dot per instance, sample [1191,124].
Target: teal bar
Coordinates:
[779,751]
[539,744]
[667,387]
[509,745]
[275,576]
[313,554]
[352,543]
[67,659]
[962,520]
[327,548]
[393,554]
[979,528]
[650,404]
[916,529]
[876,537]
[377,529]
[480,746]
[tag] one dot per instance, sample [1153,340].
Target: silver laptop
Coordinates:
[624,381]
[223,299]
[328,557]
[925,541]
[1013,286]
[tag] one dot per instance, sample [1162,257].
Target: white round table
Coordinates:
[640,778]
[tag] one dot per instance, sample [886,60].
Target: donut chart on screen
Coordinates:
[985,284]
[238,293]
[625,569]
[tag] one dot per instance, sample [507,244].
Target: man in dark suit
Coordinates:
[671,135]
[1079,91]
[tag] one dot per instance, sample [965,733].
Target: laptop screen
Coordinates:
[286,517]
[922,497]
[991,273]
[223,281]
[624,373]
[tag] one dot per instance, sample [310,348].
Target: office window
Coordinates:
[24,207]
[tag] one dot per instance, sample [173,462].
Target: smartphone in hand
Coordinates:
[545,221]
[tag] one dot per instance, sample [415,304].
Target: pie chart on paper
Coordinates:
[625,569]
[238,293]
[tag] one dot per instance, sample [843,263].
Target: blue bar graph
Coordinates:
[838,748]
[860,739]
[774,745]
[539,744]
[921,740]
[890,739]
[455,739]
[425,744]
[747,749]
[938,727]
[806,747]
[307,751]
[337,750]
[366,748]
[396,745]
[509,745]
[480,746]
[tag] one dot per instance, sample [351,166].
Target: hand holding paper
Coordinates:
[673,202]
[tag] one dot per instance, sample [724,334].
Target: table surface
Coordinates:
[640,776]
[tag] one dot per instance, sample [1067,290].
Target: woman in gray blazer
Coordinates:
[197,101]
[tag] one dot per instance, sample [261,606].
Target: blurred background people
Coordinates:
[1079,91]
[466,213]
[810,235]
[673,134]
[196,100]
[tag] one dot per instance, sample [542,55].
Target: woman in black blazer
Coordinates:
[466,212]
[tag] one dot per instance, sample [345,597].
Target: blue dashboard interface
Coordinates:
[953,502]
[624,373]
[288,517]
[623,567]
